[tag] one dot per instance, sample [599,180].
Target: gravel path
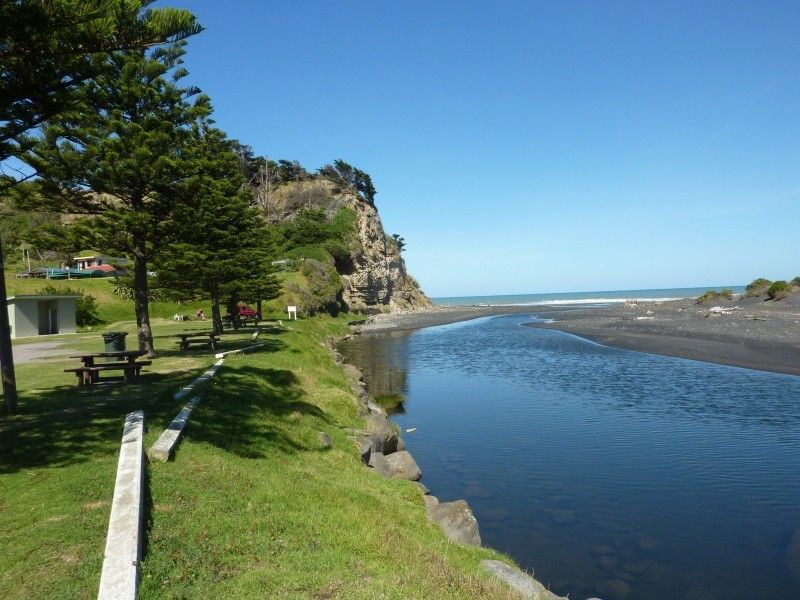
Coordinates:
[38,351]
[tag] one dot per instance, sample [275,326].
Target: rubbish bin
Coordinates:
[115,342]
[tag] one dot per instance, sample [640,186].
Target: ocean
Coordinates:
[599,298]
[602,471]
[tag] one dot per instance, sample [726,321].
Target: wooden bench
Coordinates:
[90,375]
[197,338]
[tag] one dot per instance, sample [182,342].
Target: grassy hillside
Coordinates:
[252,507]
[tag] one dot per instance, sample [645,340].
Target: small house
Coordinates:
[31,315]
[91,259]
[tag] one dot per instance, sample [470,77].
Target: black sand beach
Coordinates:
[749,332]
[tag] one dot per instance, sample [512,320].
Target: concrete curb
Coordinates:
[120,576]
[182,393]
[224,354]
[164,447]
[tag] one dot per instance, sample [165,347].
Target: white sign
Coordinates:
[292,310]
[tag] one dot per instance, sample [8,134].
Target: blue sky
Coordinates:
[534,146]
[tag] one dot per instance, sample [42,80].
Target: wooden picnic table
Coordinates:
[204,338]
[126,362]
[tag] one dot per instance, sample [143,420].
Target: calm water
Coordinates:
[588,464]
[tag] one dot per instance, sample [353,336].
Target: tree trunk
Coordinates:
[233,310]
[141,302]
[6,353]
[258,309]
[216,313]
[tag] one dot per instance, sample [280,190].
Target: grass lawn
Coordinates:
[252,506]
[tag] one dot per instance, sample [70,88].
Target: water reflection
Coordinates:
[383,360]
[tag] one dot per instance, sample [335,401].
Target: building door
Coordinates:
[53,314]
[48,317]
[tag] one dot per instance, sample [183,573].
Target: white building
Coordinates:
[31,315]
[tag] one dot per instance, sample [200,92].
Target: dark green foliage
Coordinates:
[795,282]
[757,287]
[400,241]
[312,235]
[710,295]
[290,170]
[49,48]
[85,308]
[779,290]
[323,290]
[351,177]
[122,157]
[216,247]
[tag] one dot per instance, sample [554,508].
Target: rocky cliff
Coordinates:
[374,277]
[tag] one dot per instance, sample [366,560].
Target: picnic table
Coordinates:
[125,361]
[203,338]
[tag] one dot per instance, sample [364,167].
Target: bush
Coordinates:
[779,290]
[725,294]
[795,282]
[757,287]
[322,290]
[85,308]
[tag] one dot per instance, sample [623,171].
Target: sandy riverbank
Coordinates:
[758,335]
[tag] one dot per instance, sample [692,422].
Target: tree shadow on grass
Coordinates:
[66,424]
[250,411]
[224,346]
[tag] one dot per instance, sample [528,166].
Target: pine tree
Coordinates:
[48,49]
[217,247]
[121,156]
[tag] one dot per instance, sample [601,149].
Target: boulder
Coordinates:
[523,583]
[425,491]
[325,440]
[367,445]
[401,445]
[376,409]
[378,462]
[381,429]
[456,519]
[403,466]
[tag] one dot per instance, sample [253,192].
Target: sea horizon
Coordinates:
[593,297]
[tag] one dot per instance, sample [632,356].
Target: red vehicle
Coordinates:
[245,312]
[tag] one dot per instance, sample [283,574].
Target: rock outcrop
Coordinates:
[374,277]
[379,277]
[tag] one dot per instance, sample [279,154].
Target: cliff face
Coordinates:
[375,276]
[379,276]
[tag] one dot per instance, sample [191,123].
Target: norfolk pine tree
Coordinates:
[217,245]
[121,156]
[48,48]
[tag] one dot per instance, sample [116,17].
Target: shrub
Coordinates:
[725,294]
[795,282]
[779,290]
[322,289]
[757,287]
[123,287]
[85,307]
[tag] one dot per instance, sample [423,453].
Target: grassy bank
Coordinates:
[253,506]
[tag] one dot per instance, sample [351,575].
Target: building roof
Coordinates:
[12,299]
